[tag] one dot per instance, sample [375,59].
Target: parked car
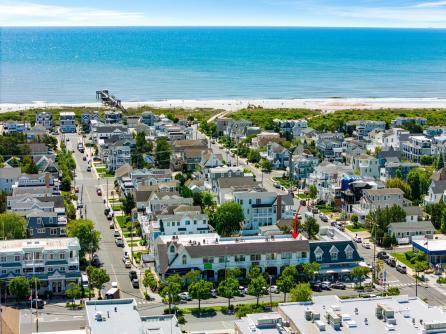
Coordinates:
[76,189]
[357,239]
[326,285]
[95,262]
[116,234]
[88,169]
[401,268]
[37,303]
[366,244]
[135,283]
[114,284]
[111,225]
[242,291]
[391,262]
[125,258]
[315,210]
[132,275]
[303,202]
[382,255]
[214,293]
[127,264]
[323,217]
[119,242]
[316,287]
[274,289]
[106,211]
[184,296]
[338,285]
[99,191]
[84,158]
[334,224]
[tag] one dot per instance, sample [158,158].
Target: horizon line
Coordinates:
[223,26]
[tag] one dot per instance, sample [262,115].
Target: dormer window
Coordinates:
[349,252]
[172,249]
[318,253]
[334,253]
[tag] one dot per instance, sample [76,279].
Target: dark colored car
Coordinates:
[303,202]
[37,303]
[382,255]
[106,211]
[391,262]
[133,275]
[135,283]
[95,262]
[317,287]
[338,285]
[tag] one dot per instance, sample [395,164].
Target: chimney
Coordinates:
[47,180]
[279,207]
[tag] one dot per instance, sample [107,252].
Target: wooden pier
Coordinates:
[109,100]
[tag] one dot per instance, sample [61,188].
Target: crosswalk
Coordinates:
[398,284]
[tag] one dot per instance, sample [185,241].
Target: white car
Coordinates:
[114,284]
[242,291]
[357,239]
[274,289]
[366,244]
[128,264]
[184,296]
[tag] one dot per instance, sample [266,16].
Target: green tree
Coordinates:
[228,288]
[89,238]
[256,283]
[378,221]
[355,220]
[287,280]
[440,162]
[192,276]
[65,184]
[29,166]
[301,293]
[73,291]
[12,226]
[359,273]
[3,196]
[128,204]
[207,200]
[227,219]
[419,181]
[266,166]
[162,153]
[19,287]
[170,289]
[395,182]
[311,227]
[97,278]
[254,156]
[200,290]
[310,269]
[312,191]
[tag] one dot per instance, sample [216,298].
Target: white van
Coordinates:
[84,281]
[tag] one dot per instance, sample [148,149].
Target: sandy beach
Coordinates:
[327,105]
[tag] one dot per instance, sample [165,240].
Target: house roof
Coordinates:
[327,248]
[439,175]
[413,211]
[384,191]
[287,199]
[237,181]
[124,170]
[438,187]
[186,208]
[143,195]
[10,172]
[404,226]
[37,148]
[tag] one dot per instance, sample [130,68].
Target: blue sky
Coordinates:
[326,13]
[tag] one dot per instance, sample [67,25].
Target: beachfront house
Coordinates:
[67,122]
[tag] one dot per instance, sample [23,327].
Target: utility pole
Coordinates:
[270,296]
[37,308]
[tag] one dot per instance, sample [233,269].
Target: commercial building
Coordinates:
[212,254]
[54,261]
[330,314]
[119,316]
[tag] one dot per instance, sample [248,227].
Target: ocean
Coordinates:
[68,65]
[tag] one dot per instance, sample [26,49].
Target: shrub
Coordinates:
[409,255]
[181,319]
[394,291]
[441,280]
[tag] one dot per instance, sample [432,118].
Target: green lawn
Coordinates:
[282,182]
[121,221]
[402,258]
[117,207]
[303,196]
[351,228]
[325,209]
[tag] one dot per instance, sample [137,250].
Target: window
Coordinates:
[208,259]
[51,256]
[41,230]
[31,231]
[62,269]
[304,254]
[62,256]
[187,222]
[53,231]
[349,252]
[17,258]
[50,269]
[334,253]
[239,258]
[28,256]
[241,202]
[195,222]
[255,257]
[184,259]
[3,271]
[3,258]
[172,249]
[222,259]
[258,201]
[286,256]
[271,256]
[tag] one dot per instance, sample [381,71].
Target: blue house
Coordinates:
[43,224]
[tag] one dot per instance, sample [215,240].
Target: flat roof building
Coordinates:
[330,314]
